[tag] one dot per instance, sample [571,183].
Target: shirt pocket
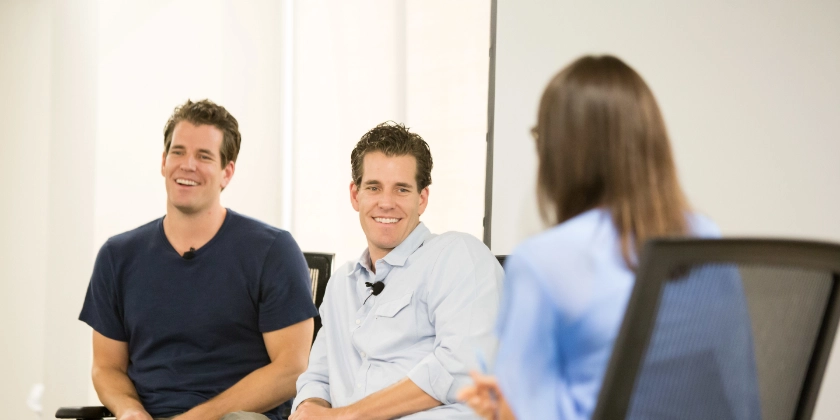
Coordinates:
[392,308]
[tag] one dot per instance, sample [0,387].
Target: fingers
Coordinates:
[483,406]
[482,396]
[483,380]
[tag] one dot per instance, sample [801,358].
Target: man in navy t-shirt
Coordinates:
[203,313]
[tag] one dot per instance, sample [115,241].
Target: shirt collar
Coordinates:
[415,240]
[400,254]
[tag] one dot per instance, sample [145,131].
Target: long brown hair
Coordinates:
[602,142]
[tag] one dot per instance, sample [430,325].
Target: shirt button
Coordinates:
[358,385]
[358,321]
[363,354]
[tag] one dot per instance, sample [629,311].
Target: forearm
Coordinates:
[115,390]
[397,400]
[260,391]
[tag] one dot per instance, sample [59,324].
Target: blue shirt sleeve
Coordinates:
[285,286]
[529,360]
[102,308]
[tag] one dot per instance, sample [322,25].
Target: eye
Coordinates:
[176,152]
[206,157]
[404,190]
[371,188]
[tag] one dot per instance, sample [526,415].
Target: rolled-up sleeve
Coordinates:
[463,300]
[315,382]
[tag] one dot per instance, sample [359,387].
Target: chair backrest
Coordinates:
[320,270]
[725,329]
[501,259]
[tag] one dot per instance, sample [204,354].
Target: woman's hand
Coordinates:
[485,398]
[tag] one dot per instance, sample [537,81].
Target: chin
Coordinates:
[186,209]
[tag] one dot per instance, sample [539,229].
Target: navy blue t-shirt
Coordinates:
[194,327]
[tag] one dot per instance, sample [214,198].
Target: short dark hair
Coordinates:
[393,139]
[205,112]
[602,142]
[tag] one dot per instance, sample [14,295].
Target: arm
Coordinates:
[314,384]
[531,360]
[397,400]
[268,386]
[110,379]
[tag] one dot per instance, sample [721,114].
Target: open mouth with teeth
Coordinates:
[386,220]
[181,181]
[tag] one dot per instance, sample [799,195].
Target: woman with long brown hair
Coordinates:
[607,181]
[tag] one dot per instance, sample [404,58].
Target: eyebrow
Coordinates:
[205,151]
[398,184]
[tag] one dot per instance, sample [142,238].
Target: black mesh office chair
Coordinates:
[725,329]
[320,269]
[501,259]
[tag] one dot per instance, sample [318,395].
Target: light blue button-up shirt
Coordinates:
[436,312]
[565,296]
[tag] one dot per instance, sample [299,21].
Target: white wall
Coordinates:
[25,30]
[750,92]
[71,222]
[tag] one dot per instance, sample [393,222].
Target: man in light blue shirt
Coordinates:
[402,323]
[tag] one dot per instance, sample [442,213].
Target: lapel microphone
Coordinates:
[377,287]
[188,255]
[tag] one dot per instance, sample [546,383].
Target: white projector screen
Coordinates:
[750,92]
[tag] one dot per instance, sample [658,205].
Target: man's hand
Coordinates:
[316,408]
[135,414]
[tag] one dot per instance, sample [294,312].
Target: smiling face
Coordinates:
[388,201]
[192,168]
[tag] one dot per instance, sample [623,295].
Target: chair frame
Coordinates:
[318,259]
[315,259]
[663,257]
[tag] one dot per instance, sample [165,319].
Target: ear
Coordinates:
[424,200]
[354,195]
[227,174]
[163,164]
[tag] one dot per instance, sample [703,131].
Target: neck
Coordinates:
[193,230]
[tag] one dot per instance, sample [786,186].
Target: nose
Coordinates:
[188,164]
[386,200]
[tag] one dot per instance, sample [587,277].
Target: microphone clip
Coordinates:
[377,288]
[188,255]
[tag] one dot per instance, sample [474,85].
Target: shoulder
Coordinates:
[338,280]
[241,222]
[130,240]
[569,257]
[252,232]
[588,232]
[459,246]
[453,238]
[702,226]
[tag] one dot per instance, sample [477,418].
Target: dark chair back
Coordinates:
[320,270]
[725,329]
[501,259]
